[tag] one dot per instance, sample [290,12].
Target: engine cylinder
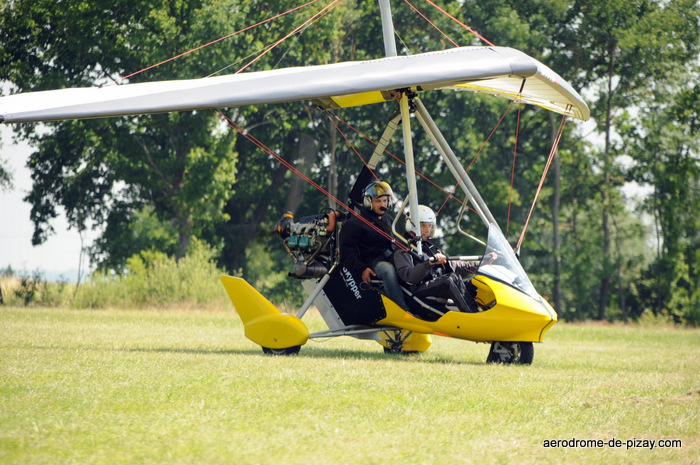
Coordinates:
[313,270]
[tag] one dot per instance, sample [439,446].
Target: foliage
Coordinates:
[153,279]
[151,183]
[177,163]
[32,290]
[668,159]
[621,58]
[5,177]
[28,287]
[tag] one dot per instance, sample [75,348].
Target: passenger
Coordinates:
[367,252]
[436,276]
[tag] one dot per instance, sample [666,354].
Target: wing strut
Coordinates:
[410,170]
[453,163]
[387,28]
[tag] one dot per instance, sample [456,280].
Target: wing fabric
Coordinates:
[495,70]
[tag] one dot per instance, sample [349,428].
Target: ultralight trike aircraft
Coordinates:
[511,316]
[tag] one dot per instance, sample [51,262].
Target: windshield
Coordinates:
[506,268]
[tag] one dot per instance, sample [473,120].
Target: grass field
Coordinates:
[176,387]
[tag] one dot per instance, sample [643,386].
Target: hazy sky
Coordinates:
[61,253]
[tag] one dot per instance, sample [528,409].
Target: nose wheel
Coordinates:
[287,351]
[520,353]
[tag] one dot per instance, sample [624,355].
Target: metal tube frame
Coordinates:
[410,171]
[351,331]
[454,164]
[312,296]
[387,28]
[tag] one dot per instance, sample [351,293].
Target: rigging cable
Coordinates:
[552,153]
[461,24]
[353,147]
[318,15]
[332,115]
[318,187]
[512,170]
[267,48]
[218,40]
[431,23]
[449,194]
[454,188]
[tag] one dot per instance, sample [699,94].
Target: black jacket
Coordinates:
[361,245]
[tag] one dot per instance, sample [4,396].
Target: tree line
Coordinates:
[155,182]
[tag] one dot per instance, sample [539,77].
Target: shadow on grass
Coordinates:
[379,355]
[323,353]
[311,353]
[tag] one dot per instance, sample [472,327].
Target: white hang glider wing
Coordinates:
[495,70]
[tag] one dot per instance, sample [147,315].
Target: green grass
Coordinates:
[176,387]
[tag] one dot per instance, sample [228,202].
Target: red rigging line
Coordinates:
[449,194]
[220,39]
[479,153]
[444,202]
[352,146]
[294,170]
[327,9]
[461,24]
[431,23]
[512,170]
[517,130]
[331,118]
[552,153]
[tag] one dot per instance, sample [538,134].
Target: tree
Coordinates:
[5,176]
[667,150]
[624,51]
[157,181]
[176,163]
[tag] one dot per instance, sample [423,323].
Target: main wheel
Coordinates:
[287,351]
[397,350]
[511,352]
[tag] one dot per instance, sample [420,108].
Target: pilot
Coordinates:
[367,252]
[436,276]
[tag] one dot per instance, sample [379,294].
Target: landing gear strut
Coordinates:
[394,342]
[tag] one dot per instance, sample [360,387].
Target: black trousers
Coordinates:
[449,286]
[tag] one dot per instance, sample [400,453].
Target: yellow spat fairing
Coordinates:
[264,323]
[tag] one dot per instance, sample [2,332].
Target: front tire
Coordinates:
[286,351]
[520,353]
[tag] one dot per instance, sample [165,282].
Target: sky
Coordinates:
[60,254]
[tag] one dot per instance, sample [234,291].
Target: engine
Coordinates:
[311,242]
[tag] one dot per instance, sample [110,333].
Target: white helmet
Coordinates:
[425,215]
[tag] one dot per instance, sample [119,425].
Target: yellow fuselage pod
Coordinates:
[264,323]
[514,317]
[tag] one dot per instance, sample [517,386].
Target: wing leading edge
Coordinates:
[495,70]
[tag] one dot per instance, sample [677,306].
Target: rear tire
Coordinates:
[520,353]
[286,351]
